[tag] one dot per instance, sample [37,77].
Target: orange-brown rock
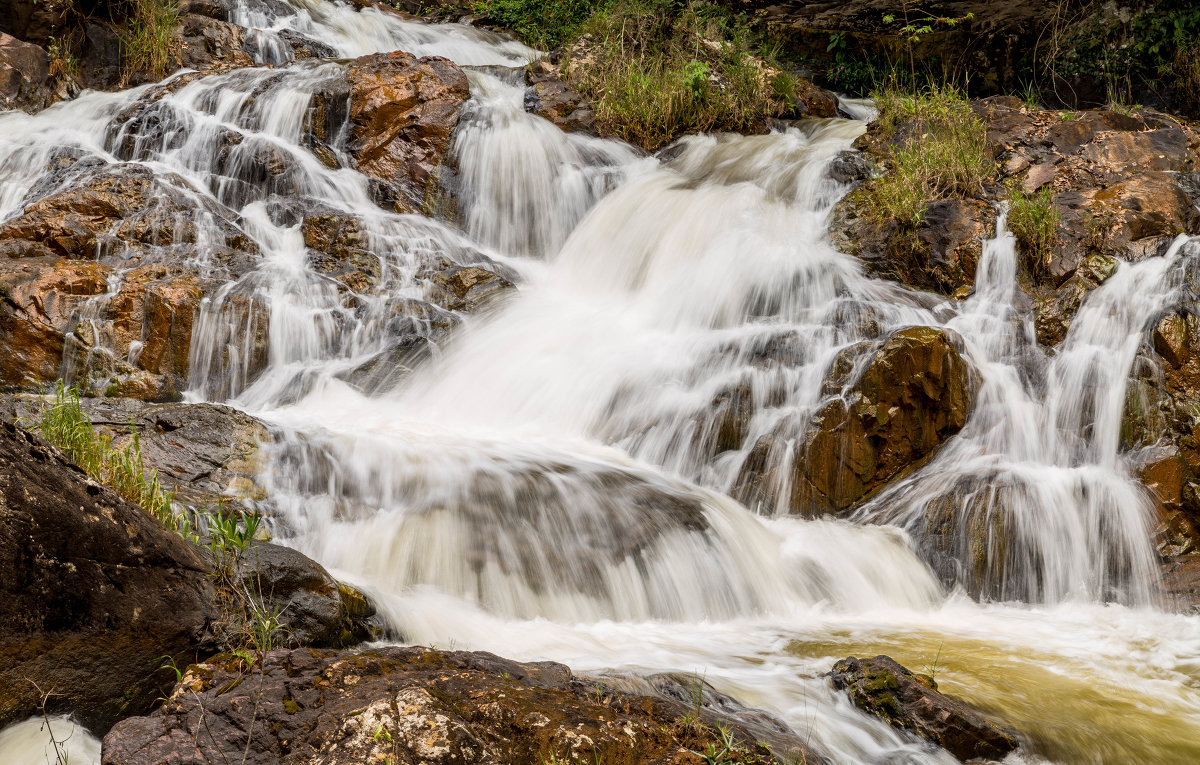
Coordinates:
[402,112]
[102,281]
[914,394]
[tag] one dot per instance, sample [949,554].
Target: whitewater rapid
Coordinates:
[546,485]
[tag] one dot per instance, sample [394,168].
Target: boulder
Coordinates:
[85,222]
[912,703]
[201,452]
[401,112]
[549,97]
[411,705]
[96,595]
[914,393]
[315,609]
[24,74]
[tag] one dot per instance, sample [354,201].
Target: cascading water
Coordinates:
[553,481]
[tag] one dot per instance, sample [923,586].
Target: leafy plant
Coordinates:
[725,750]
[916,25]
[545,24]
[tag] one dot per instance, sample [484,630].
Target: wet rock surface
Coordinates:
[402,111]
[883,688]
[102,277]
[95,593]
[408,705]
[897,401]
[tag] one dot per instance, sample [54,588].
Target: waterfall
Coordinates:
[551,478]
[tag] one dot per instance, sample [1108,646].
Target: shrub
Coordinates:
[545,24]
[940,151]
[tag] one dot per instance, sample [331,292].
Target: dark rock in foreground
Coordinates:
[97,598]
[883,688]
[409,705]
[94,593]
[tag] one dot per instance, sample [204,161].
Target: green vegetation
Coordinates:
[545,24]
[147,44]
[1033,219]
[1131,54]
[63,423]
[940,153]
[726,750]
[655,69]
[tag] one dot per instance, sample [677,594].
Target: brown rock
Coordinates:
[402,111]
[1170,339]
[915,393]
[24,74]
[411,705]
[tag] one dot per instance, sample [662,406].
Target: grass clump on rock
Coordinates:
[1033,220]
[938,151]
[63,423]
[654,71]
[147,42]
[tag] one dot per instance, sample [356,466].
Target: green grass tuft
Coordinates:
[1033,220]
[148,37]
[63,423]
[655,70]
[939,152]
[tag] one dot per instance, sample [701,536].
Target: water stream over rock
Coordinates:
[563,474]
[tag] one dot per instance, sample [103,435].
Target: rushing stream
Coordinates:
[547,484]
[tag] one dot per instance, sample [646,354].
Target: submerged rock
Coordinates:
[912,703]
[410,705]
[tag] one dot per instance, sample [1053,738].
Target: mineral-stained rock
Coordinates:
[94,593]
[69,315]
[914,393]
[409,706]
[883,688]
[402,111]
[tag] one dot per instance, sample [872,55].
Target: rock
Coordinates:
[468,288]
[549,97]
[209,45]
[402,111]
[408,705]
[95,593]
[941,255]
[850,167]
[70,316]
[201,452]
[883,688]
[315,608]
[24,74]
[914,393]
